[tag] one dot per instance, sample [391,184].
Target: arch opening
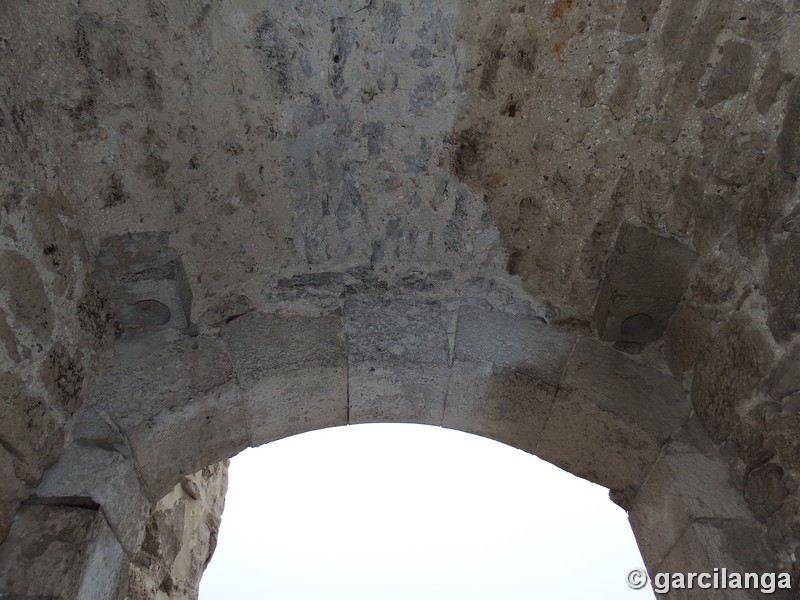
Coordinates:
[399,511]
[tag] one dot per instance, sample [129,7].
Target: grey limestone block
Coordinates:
[611,417]
[145,281]
[683,487]
[109,479]
[499,403]
[62,552]
[177,402]
[646,277]
[293,372]
[399,354]
[525,345]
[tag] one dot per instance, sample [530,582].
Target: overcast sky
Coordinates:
[390,512]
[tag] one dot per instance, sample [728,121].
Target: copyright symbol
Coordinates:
[636,579]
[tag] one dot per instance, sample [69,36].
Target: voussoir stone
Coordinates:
[399,354]
[173,396]
[611,416]
[293,372]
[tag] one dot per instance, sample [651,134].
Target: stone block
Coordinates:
[62,552]
[145,282]
[498,403]
[109,479]
[687,334]
[785,378]
[611,417]
[176,397]
[646,277]
[524,345]
[28,429]
[682,488]
[729,544]
[726,375]
[398,360]
[293,372]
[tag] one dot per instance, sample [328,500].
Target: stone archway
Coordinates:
[456,363]
[463,213]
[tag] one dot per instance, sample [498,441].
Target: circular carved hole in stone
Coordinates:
[638,323]
[152,313]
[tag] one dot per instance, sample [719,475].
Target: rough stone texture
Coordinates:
[399,355]
[610,418]
[62,552]
[189,409]
[109,479]
[685,486]
[181,537]
[270,353]
[303,156]
[645,279]
[145,282]
[726,375]
[509,341]
[785,378]
[685,338]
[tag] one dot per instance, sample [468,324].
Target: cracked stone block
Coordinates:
[293,372]
[498,403]
[398,360]
[610,417]
[56,551]
[645,280]
[525,345]
[177,397]
[145,282]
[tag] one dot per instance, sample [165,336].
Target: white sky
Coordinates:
[390,512]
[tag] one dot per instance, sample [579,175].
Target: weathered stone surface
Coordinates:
[772,80]
[732,73]
[726,375]
[646,278]
[513,342]
[685,486]
[182,536]
[765,490]
[789,139]
[717,544]
[783,286]
[174,396]
[27,429]
[146,282]
[28,301]
[498,402]
[8,338]
[611,416]
[108,478]
[12,492]
[785,378]
[638,14]
[293,372]
[399,356]
[61,552]
[686,335]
